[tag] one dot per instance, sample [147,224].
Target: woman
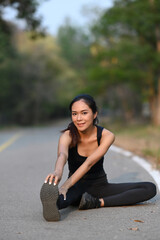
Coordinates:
[83,144]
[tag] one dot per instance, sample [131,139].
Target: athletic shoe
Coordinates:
[89,202]
[49,195]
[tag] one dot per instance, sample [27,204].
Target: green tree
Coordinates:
[10,60]
[127,48]
[26,10]
[43,79]
[36,82]
[74,43]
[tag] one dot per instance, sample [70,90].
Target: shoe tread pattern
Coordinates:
[49,195]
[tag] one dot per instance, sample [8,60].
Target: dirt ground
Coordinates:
[143,140]
[136,146]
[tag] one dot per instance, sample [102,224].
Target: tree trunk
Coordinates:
[156,118]
[155,100]
[155,106]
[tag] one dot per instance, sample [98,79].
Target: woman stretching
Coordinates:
[83,144]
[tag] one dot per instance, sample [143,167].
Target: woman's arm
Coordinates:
[106,141]
[62,156]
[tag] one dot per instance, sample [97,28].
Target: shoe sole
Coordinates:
[49,195]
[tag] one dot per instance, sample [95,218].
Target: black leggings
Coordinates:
[113,194]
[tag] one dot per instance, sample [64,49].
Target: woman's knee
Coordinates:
[151,188]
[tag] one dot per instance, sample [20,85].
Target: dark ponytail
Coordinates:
[71,127]
[74,134]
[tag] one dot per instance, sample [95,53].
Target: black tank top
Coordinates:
[75,161]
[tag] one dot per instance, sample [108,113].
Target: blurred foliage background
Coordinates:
[115,58]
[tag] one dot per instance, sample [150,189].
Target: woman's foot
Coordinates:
[89,202]
[49,195]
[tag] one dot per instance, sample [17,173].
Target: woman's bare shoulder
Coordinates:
[66,133]
[66,137]
[106,133]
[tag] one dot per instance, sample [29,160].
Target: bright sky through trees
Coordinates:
[54,12]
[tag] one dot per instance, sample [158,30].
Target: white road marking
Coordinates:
[155,174]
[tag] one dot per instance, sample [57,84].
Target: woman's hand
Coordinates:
[56,176]
[63,190]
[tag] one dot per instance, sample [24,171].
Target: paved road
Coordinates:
[25,162]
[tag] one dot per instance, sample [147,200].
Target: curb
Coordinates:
[155,174]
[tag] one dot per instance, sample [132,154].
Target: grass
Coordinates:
[140,138]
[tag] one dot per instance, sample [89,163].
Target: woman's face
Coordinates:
[82,115]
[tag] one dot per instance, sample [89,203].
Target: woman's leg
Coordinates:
[73,197]
[128,193]
[117,194]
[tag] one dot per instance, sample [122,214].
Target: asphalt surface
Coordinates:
[24,163]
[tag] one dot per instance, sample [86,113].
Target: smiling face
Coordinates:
[82,115]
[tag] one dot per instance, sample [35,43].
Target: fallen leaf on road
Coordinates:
[138,221]
[134,229]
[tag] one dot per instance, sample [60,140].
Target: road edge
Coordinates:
[155,174]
